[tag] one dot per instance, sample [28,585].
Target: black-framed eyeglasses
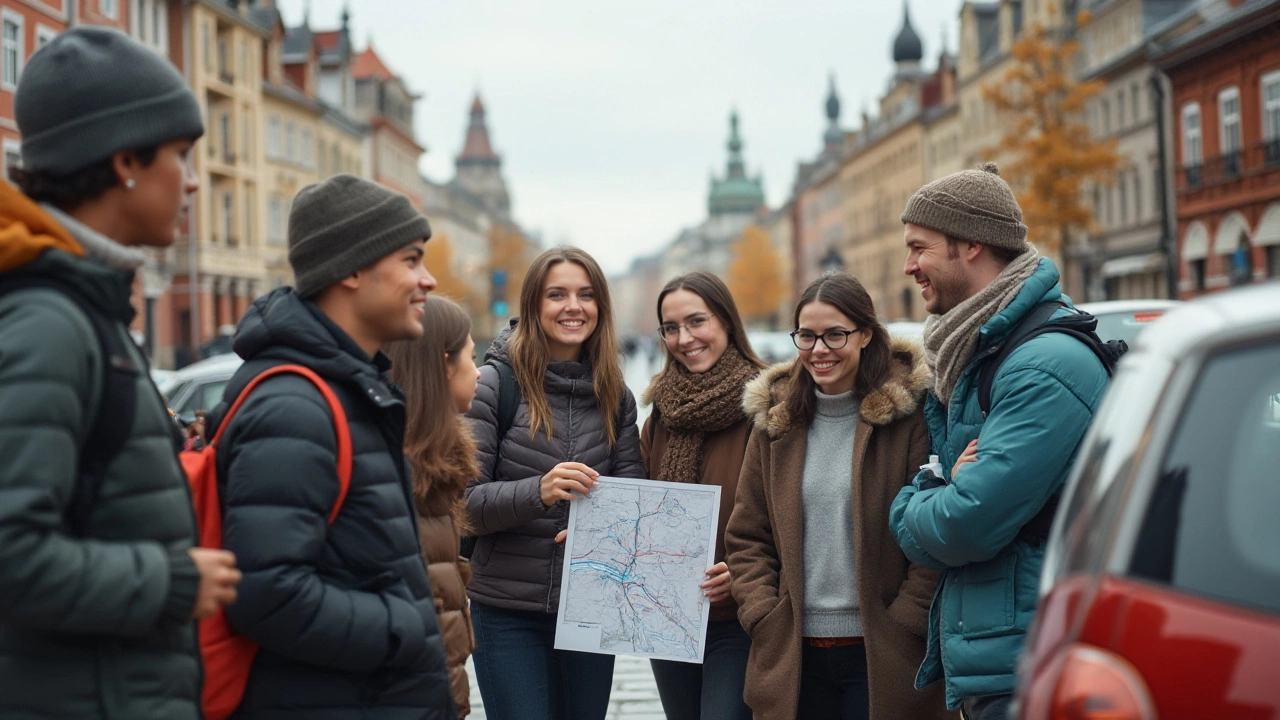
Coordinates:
[671,331]
[833,339]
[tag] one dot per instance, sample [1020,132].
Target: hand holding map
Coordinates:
[636,557]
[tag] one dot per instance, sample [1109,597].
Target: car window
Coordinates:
[172,389]
[204,396]
[1125,325]
[1104,464]
[1211,526]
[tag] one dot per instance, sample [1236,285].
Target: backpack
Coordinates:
[1081,326]
[116,407]
[509,398]
[228,656]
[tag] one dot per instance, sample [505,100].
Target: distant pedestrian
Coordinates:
[343,611]
[836,613]
[576,421]
[698,433]
[1001,470]
[438,375]
[99,579]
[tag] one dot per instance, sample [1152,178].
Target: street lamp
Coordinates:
[831,262]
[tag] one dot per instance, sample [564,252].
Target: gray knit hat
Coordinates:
[345,224]
[93,92]
[974,205]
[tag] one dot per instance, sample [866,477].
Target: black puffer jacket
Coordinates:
[344,613]
[517,563]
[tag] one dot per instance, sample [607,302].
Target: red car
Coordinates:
[1160,596]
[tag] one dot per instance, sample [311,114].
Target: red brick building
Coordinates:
[1226,134]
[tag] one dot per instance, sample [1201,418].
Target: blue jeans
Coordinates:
[987,707]
[712,690]
[522,676]
[833,683]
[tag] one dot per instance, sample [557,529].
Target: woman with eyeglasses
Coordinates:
[698,433]
[836,614]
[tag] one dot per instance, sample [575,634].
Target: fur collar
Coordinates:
[900,396]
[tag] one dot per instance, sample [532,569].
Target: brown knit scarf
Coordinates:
[692,405]
[950,339]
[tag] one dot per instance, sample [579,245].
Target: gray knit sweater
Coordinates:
[830,579]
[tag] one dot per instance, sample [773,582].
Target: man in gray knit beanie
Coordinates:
[1002,463]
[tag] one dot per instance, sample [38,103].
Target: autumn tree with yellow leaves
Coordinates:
[755,276]
[438,259]
[1054,153]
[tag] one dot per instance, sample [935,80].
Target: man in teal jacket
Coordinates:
[979,277]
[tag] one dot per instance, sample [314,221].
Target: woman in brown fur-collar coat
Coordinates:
[836,613]
[438,375]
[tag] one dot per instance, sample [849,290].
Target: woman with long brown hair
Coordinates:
[837,615]
[575,421]
[438,375]
[698,434]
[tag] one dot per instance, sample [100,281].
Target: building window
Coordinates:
[248,215]
[1105,109]
[12,155]
[289,151]
[276,220]
[206,44]
[246,139]
[1124,201]
[1229,120]
[273,137]
[44,34]
[1197,274]
[1271,116]
[320,154]
[1120,107]
[1137,196]
[1273,261]
[11,50]
[108,8]
[337,161]
[1111,218]
[224,129]
[228,217]
[1192,148]
[307,160]
[160,24]
[1135,95]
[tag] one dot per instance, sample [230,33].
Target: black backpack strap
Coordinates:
[117,403]
[1026,328]
[508,398]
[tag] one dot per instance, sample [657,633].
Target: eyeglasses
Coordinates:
[671,331]
[833,339]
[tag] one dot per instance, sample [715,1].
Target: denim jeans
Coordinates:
[712,690]
[987,707]
[522,676]
[833,684]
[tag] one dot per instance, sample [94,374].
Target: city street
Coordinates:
[634,696]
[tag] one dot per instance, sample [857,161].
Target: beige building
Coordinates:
[888,164]
[1129,252]
[384,101]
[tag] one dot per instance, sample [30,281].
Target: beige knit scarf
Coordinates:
[951,339]
[691,405]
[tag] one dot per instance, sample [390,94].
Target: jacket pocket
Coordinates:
[987,599]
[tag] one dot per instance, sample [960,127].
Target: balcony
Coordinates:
[1192,177]
[1271,152]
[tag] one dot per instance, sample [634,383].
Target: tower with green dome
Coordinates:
[735,194]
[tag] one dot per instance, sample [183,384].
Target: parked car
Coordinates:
[1160,594]
[772,347]
[199,385]
[1124,319]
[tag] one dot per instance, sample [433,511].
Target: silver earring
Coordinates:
[130,183]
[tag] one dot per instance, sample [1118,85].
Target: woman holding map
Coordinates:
[575,421]
[698,434]
[837,615]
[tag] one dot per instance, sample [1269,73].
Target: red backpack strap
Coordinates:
[340,425]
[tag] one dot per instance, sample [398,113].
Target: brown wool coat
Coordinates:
[441,519]
[722,454]
[765,541]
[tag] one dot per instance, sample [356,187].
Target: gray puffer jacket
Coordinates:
[517,563]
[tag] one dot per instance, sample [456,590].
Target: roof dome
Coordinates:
[907,47]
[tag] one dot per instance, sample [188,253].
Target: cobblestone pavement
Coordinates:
[634,696]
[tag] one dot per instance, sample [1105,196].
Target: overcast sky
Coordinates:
[609,116]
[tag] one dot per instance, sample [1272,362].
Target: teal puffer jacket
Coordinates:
[1042,400]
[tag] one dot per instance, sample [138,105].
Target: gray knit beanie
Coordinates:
[93,92]
[345,224]
[974,205]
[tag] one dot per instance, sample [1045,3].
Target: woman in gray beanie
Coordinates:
[101,580]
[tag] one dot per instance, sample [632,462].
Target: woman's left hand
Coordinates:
[716,586]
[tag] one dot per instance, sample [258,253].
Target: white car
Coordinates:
[1124,319]
[199,385]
